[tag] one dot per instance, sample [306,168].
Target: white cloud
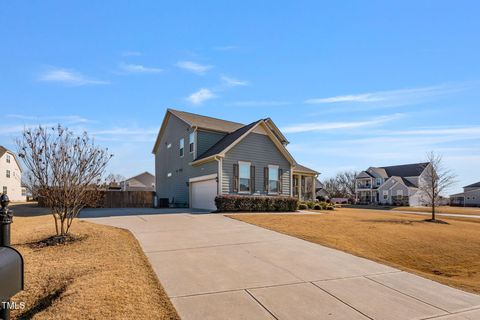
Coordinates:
[201,96]
[194,67]
[225,48]
[324,126]
[138,68]
[232,82]
[395,97]
[258,103]
[68,77]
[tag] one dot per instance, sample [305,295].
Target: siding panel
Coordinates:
[168,160]
[260,151]
[206,139]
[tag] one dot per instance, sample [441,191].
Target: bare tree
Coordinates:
[346,182]
[65,170]
[114,178]
[333,189]
[342,185]
[436,180]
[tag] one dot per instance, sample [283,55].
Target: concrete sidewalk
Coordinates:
[213,267]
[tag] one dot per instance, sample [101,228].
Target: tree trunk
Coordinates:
[433,211]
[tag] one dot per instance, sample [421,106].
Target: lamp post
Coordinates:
[6,217]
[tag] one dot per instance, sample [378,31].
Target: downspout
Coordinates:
[219,174]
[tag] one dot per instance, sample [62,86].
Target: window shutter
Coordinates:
[280,182]
[252,179]
[265,179]
[235,177]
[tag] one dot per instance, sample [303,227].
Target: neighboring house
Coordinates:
[141,182]
[11,176]
[394,185]
[470,197]
[199,157]
[321,192]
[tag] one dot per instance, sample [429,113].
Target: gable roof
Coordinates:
[408,183]
[144,175]
[473,185]
[406,170]
[4,150]
[205,122]
[364,174]
[213,124]
[230,140]
[226,141]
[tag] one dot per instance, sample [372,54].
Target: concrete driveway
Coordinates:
[213,267]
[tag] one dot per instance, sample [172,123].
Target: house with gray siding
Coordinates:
[199,157]
[470,197]
[392,185]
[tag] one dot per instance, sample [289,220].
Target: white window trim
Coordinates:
[194,133]
[169,175]
[273,166]
[240,163]
[181,148]
[169,146]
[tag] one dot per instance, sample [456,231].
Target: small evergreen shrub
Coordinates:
[317,207]
[302,206]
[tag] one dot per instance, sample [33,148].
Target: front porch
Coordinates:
[303,183]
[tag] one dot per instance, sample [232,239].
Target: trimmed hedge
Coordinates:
[232,203]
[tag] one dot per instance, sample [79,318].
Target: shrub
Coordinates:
[302,206]
[310,204]
[232,203]
[330,208]
[317,207]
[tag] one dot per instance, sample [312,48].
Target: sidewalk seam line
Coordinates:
[253,297]
[347,304]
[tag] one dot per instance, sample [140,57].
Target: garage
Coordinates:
[203,192]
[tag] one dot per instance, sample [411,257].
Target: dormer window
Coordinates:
[8,158]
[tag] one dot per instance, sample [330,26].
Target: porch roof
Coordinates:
[304,170]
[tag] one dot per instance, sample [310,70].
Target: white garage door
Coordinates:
[203,194]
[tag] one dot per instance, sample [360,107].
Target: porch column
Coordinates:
[314,192]
[299,186]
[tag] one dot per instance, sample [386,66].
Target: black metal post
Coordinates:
[6,217]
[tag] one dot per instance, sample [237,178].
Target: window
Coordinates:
[8,158]
[244,176]
[8,173]
[400,193]
[191,141]
[169,175]
[385,194]
[182,147]
[273,179]
[4,190]
[379,181]
[24,192]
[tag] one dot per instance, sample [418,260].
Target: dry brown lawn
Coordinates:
[103,276]
[447,253]
[442,209]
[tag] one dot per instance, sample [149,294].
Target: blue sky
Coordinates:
[352,84]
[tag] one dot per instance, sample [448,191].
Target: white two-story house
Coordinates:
[393,185]
[11,176]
